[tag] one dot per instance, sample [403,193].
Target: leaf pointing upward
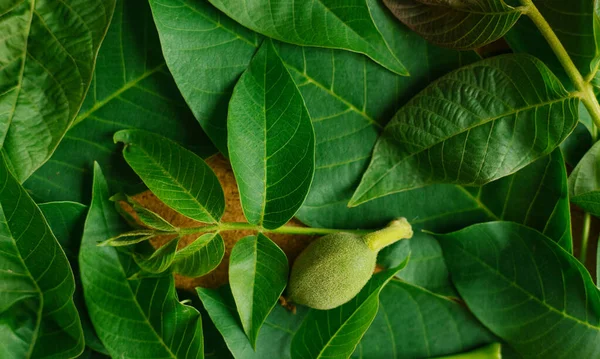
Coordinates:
[271,141]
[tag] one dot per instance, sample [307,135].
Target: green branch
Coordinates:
[585,89]
[237,226]
[583,86]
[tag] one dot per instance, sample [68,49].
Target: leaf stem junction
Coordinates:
[583,86]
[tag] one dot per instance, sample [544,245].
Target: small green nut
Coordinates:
[333,269]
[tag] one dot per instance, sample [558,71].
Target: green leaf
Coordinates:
[273,340]
[206,52]
[131,88]
[525,289]
[345,135]
[159,260]
[584,182]
[337,24]
[335,333]
[129,315]
[37,312]
[196,259]
[66,219]
[350,98]
[472,126]
[271,141]
[152,220]
[178,177]
[538,200]
[201,256]
[575,23]
[576,145]
[459,24]
[48,56]
[128,238]
[525,38]
[535,196]
[146,216]
[258,273]
[415,323]
[426,267]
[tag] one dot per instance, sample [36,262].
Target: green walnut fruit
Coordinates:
[334,268]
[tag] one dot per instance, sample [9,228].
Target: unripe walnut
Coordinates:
[334,268]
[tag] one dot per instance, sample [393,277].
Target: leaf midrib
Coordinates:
[534,298]
[127,86]
[175,180]
[364,40]
[36,332]
[122,271]
[219,25]
[333,94]
[495,118]
[22,70]
[374,293]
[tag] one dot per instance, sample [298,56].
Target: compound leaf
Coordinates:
[129,315]
[271,141]
[178,177]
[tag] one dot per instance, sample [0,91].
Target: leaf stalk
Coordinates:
[584,87]
[237,226]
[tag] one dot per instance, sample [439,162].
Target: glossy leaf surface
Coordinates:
[525,289]
[131,88]
[472,126]
[200,257]
[178,177]
[48,53]
[271,141]
[258,273]
[129,314]
[274,338]
[415,323]
[206,52]
[459,24]
[584,182]
[336,24]
[335,333]
[37,312]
